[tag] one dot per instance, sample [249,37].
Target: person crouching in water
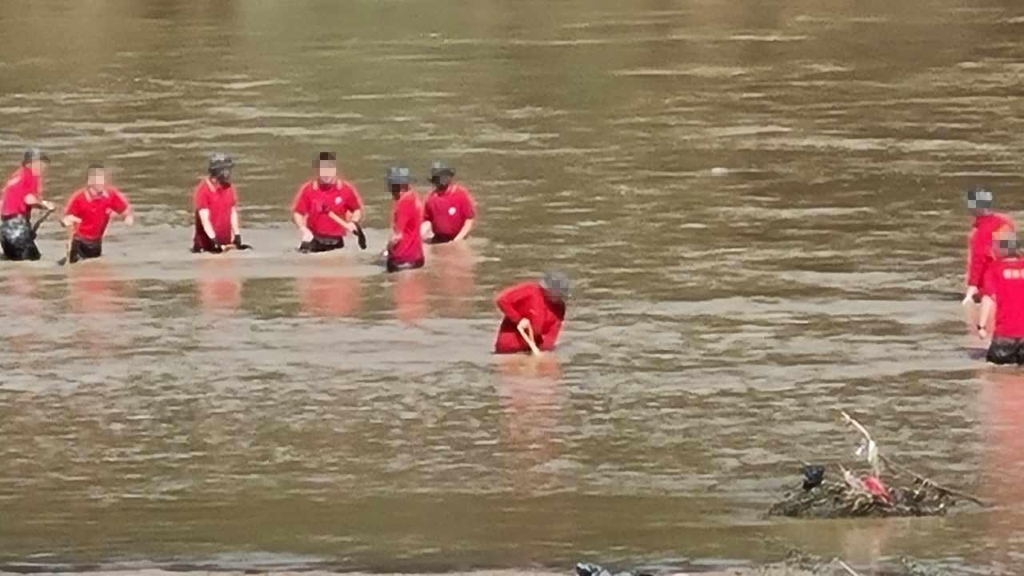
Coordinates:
[23,191]
[405,248]
[88,213]
[216,212]
[327,208]
[533,314]
[1003,291]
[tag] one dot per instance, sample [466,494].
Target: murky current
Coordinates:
[759,200]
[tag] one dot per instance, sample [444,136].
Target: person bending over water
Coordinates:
[534,312]
[326,208]
[23,192]
[405,248]
[216,212]
[450,209]
[88,213]
[1003,291]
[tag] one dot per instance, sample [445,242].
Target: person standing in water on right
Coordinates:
[981,252]
[450,210]
[1003,291]
[534,312]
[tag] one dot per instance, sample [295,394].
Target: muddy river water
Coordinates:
[760,202]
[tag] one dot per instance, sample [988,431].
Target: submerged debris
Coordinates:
[587,569]
[866,494]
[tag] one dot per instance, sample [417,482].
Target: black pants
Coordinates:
[396,266]
[1006,351]
[322,244]
[85,249]
[17,239]
[440,239]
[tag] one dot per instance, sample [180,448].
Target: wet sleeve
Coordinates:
[119,202]
[200,199]
[511,303]
[468,205]
[301,203]
[355,201]
[73,207]
[981,250]
[989,287]
[428,211]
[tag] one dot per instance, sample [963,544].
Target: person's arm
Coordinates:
[467,227]
[509,302]
[987,304]
[978,258]
[204,219]
[33,200]
[123,207]
[235,229]
[301,223]
[71,217]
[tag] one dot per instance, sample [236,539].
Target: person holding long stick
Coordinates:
[215,202]
[88,213]
[534,312]
[23,192]
[1003,295]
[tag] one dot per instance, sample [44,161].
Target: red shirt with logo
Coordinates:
[21,183]
[317,204]
[448,211]
[406,218]
[94,210]
[1004,281]
[219,200]
[527,300]
[980,249]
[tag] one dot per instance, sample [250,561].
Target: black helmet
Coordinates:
[220,162]
[980,198]
[439,168]
[398,176]
[557,284]
[33,155]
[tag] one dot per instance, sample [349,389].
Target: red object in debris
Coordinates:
[875,485]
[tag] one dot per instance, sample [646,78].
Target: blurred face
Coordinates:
[327,172]
[38,167]
[97,178]
[396,190]
[442,180]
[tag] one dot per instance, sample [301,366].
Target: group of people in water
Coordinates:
[325,211]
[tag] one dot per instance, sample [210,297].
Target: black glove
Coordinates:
[216,248]
[239,245]
[305,247]
[361,237]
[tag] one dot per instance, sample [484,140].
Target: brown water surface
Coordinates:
[759,200]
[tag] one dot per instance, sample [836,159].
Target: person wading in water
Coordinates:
[216,212]
[23,192]
[88,213]
[1003,294]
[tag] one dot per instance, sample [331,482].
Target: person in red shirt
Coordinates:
[216,212]
[980,247]
[22,192]
[450,209]
[405,248]
[1003,292]
[327,208]
[88,213]
[534,313]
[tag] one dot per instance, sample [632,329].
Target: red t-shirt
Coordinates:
[317,203]
[1004,281]
[406,218]
[95,211]
[527,300]
[219,200]
[980,250]
[447,212]
[21,183]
